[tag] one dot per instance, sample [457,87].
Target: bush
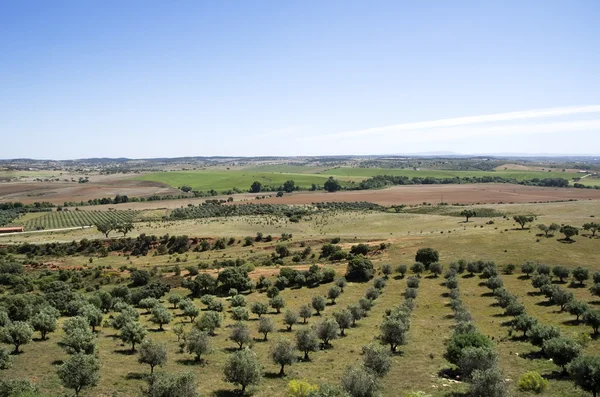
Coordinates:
[359,381]
[359,269]
[488,383]
[456,345]
[532,382]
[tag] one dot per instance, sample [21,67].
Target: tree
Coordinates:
[359,269]
[289,186]
[240,334]
[240,314]
[106,227]
[585,372]
[124,228]
[358,381]
[174,299]
[342,283]
[402,269]
[577,308]
[139,278]
[238,301]
[242,368]
[79,371]
[79,340]
[256,187]
[523,220]
[540,333]
[427,256]
[197,343]
[266,325]
[277,303]
[561,272]
[532,381]
[344,319]
[160,316]
[468,214]
[393,332]
[259,308]
[539,280]
[544,228]
[481,358]
[332,185]
[234,277]
[132,332]
[592,318]
[377,359]
[93,315]
[17,333]
[327,330]
[318,303]
[290,318]
[592,227]
[283,354]
[581,274]
[209,322]
[333,293]
[569,231]
[417,268]
[189,309]
[307,341]
[357,313]
[305,312]
[528,268]
[436,269]
[488,383]
[458,342]
[152,353]
[182,384]
[5,359]
[562,351]
[44,323]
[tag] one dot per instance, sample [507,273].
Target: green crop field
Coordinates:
[66,219]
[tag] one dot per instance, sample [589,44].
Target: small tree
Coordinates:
[277,303]
[183,384]
[106,227]
[17,333]
[333,293]
[259,308]
[468,214]
[318,303]
[393,332]
[79,340]
[240,314]
[283,354]
[124,227]
[562,351]
[577,308]
[360,382]
[242,368]
[592,227]
[523,220]
[418,268]
[266,325]
[238,301]
[436,269]
[189,310]
[44,323]
[581,274]
[307,341]
[341,283]
[477,358]
[377,359]
[585,372]
[174,299]
[240,334]
[132,332]
[152,353]
[160,316]
[79,371]
[327,330]
[344,319]
[305,312]
[524,323]
[402,269]
[561,272]
[569,231]
[528,268]
[290,318]
[209,322]
[197,343]
[459,342]
[532,381]
[540,333]
[386,269]
[427,256]
[489,383]
[357,313]
[592,318]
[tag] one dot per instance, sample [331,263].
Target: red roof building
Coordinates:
[16,229]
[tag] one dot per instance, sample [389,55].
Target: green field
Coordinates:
[306,176]
[66,219]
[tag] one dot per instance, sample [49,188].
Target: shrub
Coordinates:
[532,382]
[359,381]
[488,383]
[359,269]
[299,388]
[456,345]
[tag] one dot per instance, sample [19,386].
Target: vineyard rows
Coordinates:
[65,219]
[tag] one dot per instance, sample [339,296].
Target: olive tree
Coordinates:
[377,359]
[359,381]
[79,371]
[44,323]
[209,322]
[283,354]
[344,319]
[17,333]
[182,384]
[152,353]
[307,341]
[333,293]
[562,351]
[242,368]
[585,372]
[266,325]
[277,303]
[305,312]
[197,343]
[327,330]
[489,383]
[318,303]
[160,316]
[480,358]
[132,332]
[393,332]
[290,318]
[259,308]
[240,334]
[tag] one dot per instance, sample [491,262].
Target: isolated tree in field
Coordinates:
[152,353]
[289,186]
[17,333]
[569,231]
[132,332]
[523,323]
[561,272]
[183,384]
[344,319]
[427,256]
[360,382]
[393,332]
[265,326]
[332,185]
[333,293]
[240,334]
[79,371]
[581,274]
[160,316]
[305,312]
[283,353]
[468,214]
[585,372]
[44,323]
[277,303]
[562,351]
[259,308]
[480,358]
[328,330]
[197,343]
[402,269]
[592,318]
[577,308]
[318,303]
[124,227]
[418,268]
[242,368]
[377,359]
[523,220]
[592,227]
[106,227]
[307,341]
[209,322]
[256,187]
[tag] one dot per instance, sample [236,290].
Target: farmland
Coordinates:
[68,219]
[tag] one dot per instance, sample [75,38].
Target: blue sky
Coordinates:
[192,78]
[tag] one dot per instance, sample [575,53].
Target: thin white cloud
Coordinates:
[471,120]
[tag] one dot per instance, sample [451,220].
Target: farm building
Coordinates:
[15,229]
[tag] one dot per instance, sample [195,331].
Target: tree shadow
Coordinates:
[136,375]
[499,315]
[125,352]
[572,322]
[544,304]
[449,373]
[576,285]
[556,375]
[534,293]
[445,295]
[508,323]
[226,393]
[57,362]
[519,338]
[468,276]
[154,330]
[272,375]
[487,295]
[533,355]
[400,277]
[523,277]
[595,303]
[231,349]
[191,362]
[565,241]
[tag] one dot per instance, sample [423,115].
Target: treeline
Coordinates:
[214,209]
[13,209]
